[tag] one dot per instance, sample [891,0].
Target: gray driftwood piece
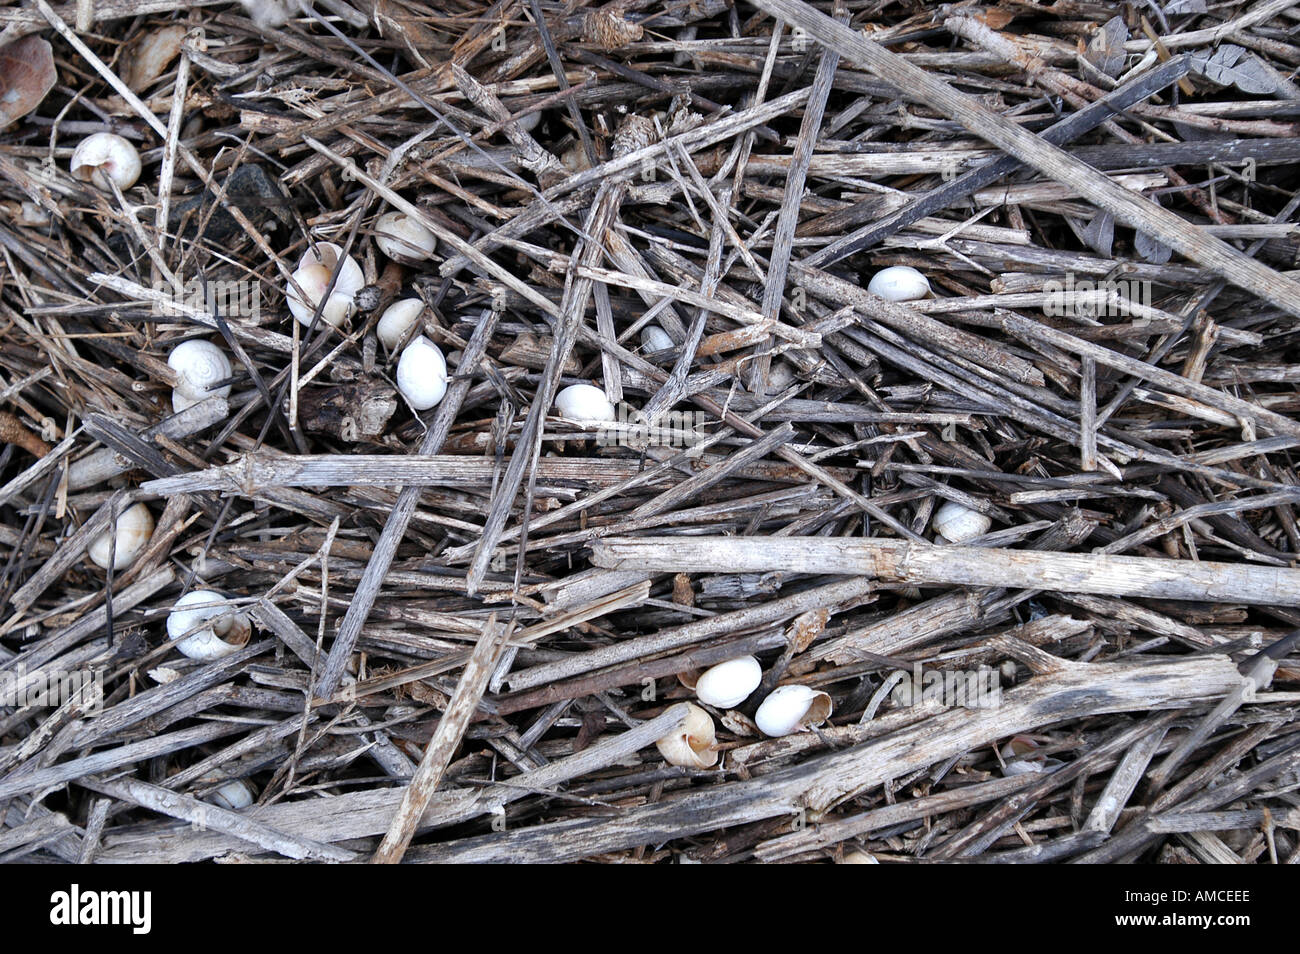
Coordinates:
[220,819]
[921,563]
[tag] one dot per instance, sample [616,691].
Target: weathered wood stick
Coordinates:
[129,754]
[1131,209]
[195,812]
[953,565]
[104,463]
[257,473]
[446,739]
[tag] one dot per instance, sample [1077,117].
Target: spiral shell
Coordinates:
[730,683]
[199,366]
[397,320]
[692,745]
[204,628]
[654,338]
[106,156]
[133,530]
[233,795]
[403,238]
[899,283]
[315,270]
[422,373]
[584,402]
[791,708]
[958,524]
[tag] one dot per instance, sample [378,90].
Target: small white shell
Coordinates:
[858,858]
[958,524]
[401,237]
[730,683]
[199,364]
[422,373]
[584,402]
[529,122]
[693,744]
[790,708]
[396,319]
[899,283]
[654,338]
[206,632]
[780,375]
[351,278]
[1019,758]
[233,795]
[134,527]
[104,156]
[313,275]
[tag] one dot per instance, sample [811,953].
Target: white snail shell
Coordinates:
[958,524]
[422,373]
[692,745]
[233,795]
[899,283]
[199,365]
[654,338]
[1019,758]
[401,237]
[584,402]
[133,529]
[790,708]
[397,319]
[313,275]
[104,156]
[858,858]
[206,632]
[730,683]
[780,375]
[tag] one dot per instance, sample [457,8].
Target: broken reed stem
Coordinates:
[445,741]
[923,563]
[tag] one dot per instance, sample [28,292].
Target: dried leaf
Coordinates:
[27,74]
[1099,233]
[152,53]
[1106,49]
[1155,252]
[1234,66]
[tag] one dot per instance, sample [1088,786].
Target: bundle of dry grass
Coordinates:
[476,377]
